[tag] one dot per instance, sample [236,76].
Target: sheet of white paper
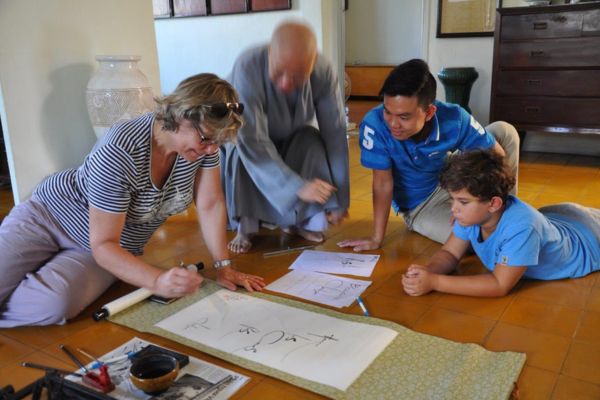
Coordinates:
[336,263]
[194,379]
[310,345]
[327,289]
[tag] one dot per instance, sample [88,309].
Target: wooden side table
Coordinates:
[367,79]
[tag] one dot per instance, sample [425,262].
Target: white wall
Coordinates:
[475,52]
[334,31]
[187,46]
[384,31]
[46,59]
[394,31]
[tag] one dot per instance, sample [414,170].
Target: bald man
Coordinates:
[290,165]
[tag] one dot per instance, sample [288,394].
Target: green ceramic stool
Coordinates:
[458,83]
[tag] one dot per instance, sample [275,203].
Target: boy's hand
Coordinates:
[417,281]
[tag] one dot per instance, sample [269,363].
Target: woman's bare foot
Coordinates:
[240,243]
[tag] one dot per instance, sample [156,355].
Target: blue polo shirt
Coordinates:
[551,246]
[416,166]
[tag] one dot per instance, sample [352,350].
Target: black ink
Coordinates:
[198,324]
[324,338]
[247,329]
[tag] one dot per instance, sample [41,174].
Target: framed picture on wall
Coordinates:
[270,5]
[464,18]
[161,8]
[189,8]
[228,6]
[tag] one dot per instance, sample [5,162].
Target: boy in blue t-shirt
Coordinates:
[406,141]
[511,238]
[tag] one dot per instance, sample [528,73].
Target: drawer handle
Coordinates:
[540,25]
[537,53]
[534,82]
[531,109]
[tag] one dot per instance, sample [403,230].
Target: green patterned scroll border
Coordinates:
[413,366]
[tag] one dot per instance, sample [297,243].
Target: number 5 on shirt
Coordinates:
[368,138]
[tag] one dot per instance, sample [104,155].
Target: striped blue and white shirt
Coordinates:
[115,178]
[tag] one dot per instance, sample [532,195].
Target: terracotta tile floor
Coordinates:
[556,323]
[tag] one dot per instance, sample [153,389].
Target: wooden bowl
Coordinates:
[154,373]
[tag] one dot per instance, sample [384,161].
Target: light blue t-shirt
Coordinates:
[416,166]
[550,246]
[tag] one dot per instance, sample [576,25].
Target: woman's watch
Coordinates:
[221,264]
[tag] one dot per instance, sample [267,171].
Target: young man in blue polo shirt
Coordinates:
[406,142]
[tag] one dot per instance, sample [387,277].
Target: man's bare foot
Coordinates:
[240,244]
[311,236]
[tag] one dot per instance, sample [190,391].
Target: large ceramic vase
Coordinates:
[117,91]
[458,83]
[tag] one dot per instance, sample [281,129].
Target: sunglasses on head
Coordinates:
[220,110]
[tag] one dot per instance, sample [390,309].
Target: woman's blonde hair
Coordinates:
[192,101]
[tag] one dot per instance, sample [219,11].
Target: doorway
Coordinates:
[6,196]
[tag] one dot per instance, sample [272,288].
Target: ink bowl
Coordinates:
[154,373]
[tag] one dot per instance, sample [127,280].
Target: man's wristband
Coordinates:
[221,264]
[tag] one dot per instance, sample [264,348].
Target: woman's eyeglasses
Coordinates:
[220,110]
[207,141]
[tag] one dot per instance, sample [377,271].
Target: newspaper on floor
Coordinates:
[199,380]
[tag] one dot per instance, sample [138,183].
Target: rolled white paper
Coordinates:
[130,299]
[122,303]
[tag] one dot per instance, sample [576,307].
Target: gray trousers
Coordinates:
[588,217]
[47,278]
[305,153]
[432,217]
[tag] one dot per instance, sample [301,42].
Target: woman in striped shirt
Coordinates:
[85,227]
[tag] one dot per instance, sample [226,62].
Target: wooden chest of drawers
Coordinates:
[546,74]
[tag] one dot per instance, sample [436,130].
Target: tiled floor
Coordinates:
[556,323]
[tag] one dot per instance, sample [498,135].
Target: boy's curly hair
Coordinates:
[483,173]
